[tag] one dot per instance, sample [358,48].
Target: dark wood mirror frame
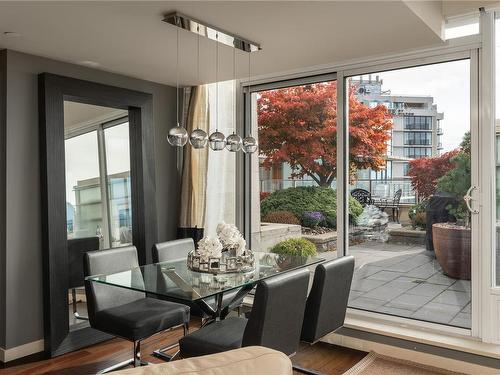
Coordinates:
[53,90]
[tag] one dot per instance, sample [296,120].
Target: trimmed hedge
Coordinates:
[295,246]
[281,217]
[302,199]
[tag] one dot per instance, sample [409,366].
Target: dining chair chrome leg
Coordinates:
[160,353]
[74,301]
[306,371]
[137,353]
[79,317]
[135,361]
[117,366]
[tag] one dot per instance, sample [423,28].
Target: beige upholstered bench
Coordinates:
[251,360]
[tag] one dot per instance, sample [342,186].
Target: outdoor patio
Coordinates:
[407,281]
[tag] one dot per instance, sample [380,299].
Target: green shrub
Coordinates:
[299,200]
[281,217]
[417,214]
[295,246]
[457,182]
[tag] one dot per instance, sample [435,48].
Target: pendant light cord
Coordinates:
[198,55]
[249,92]
[217,82]
[234,89]
[177,81]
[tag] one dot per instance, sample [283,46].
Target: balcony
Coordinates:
[417,142]
[378,188]
[440,131]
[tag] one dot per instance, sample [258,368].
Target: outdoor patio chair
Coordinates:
[326,305]
[393,204]
[275,320]
[362,196]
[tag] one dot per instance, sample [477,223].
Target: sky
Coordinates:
[448,83]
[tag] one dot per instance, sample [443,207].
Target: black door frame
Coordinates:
[53,90]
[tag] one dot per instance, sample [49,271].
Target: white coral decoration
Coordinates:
[209,247]
[228,234]
[240,247]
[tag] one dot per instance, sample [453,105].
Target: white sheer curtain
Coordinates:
[221,174]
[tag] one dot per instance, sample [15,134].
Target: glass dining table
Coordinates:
[173,280]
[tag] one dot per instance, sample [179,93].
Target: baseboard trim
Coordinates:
[416,356]
[11,354]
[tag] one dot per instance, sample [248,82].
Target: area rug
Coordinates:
[375,364]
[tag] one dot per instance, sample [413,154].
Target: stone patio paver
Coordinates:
[409,302]
[384,275]
[461,320]
[407,281]
[437,312]
[439,278]
[365,303]
[394,311]
[428,289]
[452,297]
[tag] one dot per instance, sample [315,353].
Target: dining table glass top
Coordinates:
[174,279]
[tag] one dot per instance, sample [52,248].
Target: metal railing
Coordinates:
[377,188]
[387,189]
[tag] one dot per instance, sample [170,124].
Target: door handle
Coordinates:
[468,199]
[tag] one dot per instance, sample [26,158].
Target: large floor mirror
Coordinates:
[98,192]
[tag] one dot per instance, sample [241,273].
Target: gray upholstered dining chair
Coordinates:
[127,313]
[274,322]
[326,304]
[178,249]
[76,248]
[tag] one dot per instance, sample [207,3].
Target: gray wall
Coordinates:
[23,294]
[3,107]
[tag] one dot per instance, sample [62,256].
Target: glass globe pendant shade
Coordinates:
[217,141]
[177,136]
[198,138]
[233,142]
[249,145]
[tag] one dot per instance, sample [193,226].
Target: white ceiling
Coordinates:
[79,115]
[128,37]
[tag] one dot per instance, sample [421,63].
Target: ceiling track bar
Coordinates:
[211,32]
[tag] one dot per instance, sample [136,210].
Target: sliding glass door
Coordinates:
[410,170]
[411,181]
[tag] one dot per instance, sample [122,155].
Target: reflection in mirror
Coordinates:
[98,191]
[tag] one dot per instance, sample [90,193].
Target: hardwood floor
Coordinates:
[329,359]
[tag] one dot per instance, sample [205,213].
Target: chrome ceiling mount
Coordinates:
[211,32]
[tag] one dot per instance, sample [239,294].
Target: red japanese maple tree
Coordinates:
[298,126]
[425,172]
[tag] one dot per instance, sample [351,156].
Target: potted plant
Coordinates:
[452,240]
[293,252]
[417,214]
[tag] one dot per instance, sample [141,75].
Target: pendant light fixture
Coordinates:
[198,137]
[177,136]
[233,142]
[217,140]
[249,143]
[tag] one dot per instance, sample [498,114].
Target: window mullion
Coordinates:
[104,191]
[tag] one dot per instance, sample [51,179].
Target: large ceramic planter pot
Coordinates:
[452,244]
